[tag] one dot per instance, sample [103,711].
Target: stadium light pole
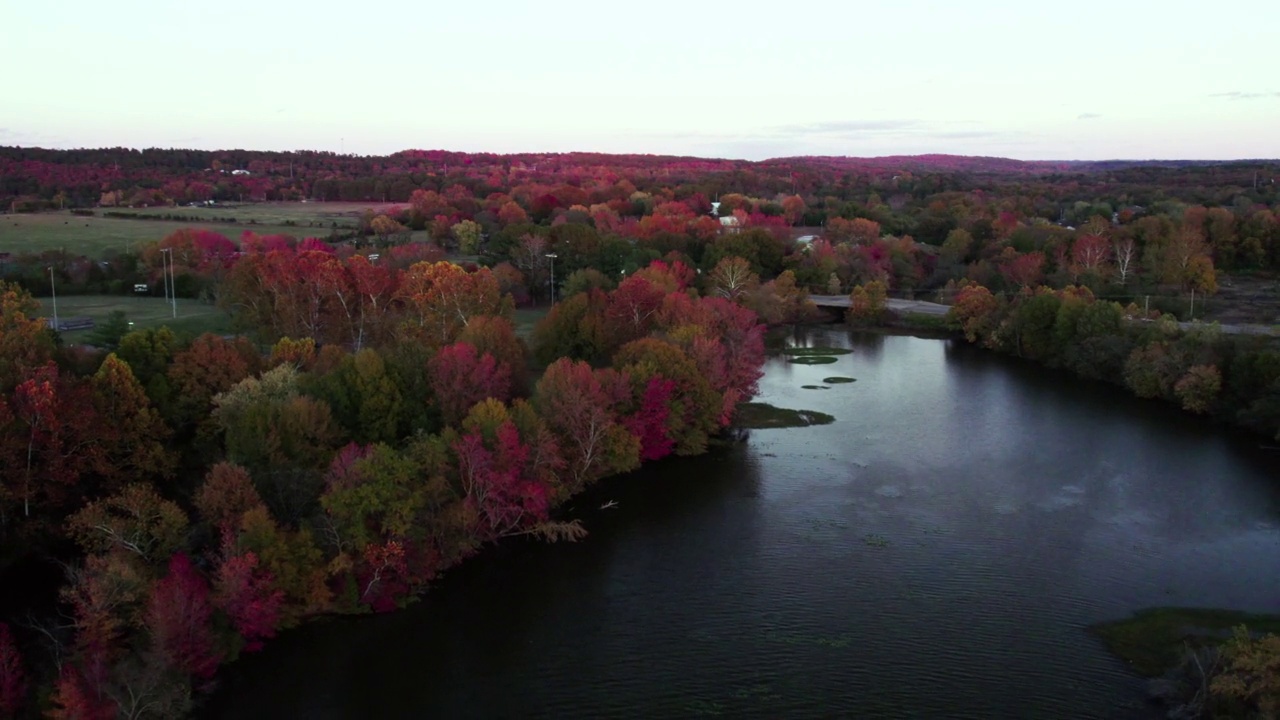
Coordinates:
[170,284]
[53,289]
[553,257]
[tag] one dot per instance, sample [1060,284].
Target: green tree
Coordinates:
[108,334]
[468,234]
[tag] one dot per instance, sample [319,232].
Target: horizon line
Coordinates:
[643,154]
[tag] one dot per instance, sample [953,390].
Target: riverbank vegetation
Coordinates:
[1231,378]
[215,494]
[1207,663]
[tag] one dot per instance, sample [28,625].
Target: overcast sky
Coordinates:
[1030,80]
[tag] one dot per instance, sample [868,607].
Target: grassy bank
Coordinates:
[1152,641]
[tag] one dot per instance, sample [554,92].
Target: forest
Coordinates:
[377,418]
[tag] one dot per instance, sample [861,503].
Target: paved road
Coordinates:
[912,306]
[930,308]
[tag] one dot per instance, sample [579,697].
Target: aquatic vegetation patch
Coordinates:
[812,360]
[874,540]
[708,708]
[761,416]
[795,638]
[815,351]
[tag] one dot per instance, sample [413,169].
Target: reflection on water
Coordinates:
[935,552]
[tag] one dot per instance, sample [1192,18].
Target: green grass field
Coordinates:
[193,317]
[96,236]
[526,318]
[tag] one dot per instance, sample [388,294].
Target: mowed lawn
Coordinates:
[193,317]
[95,236]
[526,318]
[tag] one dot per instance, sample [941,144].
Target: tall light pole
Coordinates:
[170,284]
[53,289]
[553,257]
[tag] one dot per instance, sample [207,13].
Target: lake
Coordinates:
[937,551]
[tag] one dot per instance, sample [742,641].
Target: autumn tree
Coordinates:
[1022,270]
[976,312]
[282,437]
[133,439]
[695,408]
[1124,250]
[576,327]
[245,592]
[462,377]
[441,299]
[149,353]
[496,336]
[384,227]
[178,617]
[25,342]
[226,494]
[867,303]
[136,521]
[581,411]
[467,234]
[1198,389]
[793,208]
[292,559]
[210,365]
[52,439]
[732,278]
[299,353]
[1251,676]
[493,468]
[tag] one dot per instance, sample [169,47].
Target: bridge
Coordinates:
[919,307]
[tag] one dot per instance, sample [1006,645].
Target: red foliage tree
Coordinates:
[632,308]
[461,377]
[579,409]
[178,616]
[384,575]
[497,488]
[53,420]
[648,423]
[1023,270]
[244,590]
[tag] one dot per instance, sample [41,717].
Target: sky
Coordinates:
[1085,80]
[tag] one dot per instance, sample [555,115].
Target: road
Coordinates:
[929,308]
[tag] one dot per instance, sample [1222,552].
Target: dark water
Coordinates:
[936,552]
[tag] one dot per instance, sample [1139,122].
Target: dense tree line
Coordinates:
[215,494]
[1232,378]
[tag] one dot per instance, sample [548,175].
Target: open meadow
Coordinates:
[193,317]
[97,236]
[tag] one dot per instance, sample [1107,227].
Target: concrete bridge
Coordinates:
[919,307]
[839,303]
